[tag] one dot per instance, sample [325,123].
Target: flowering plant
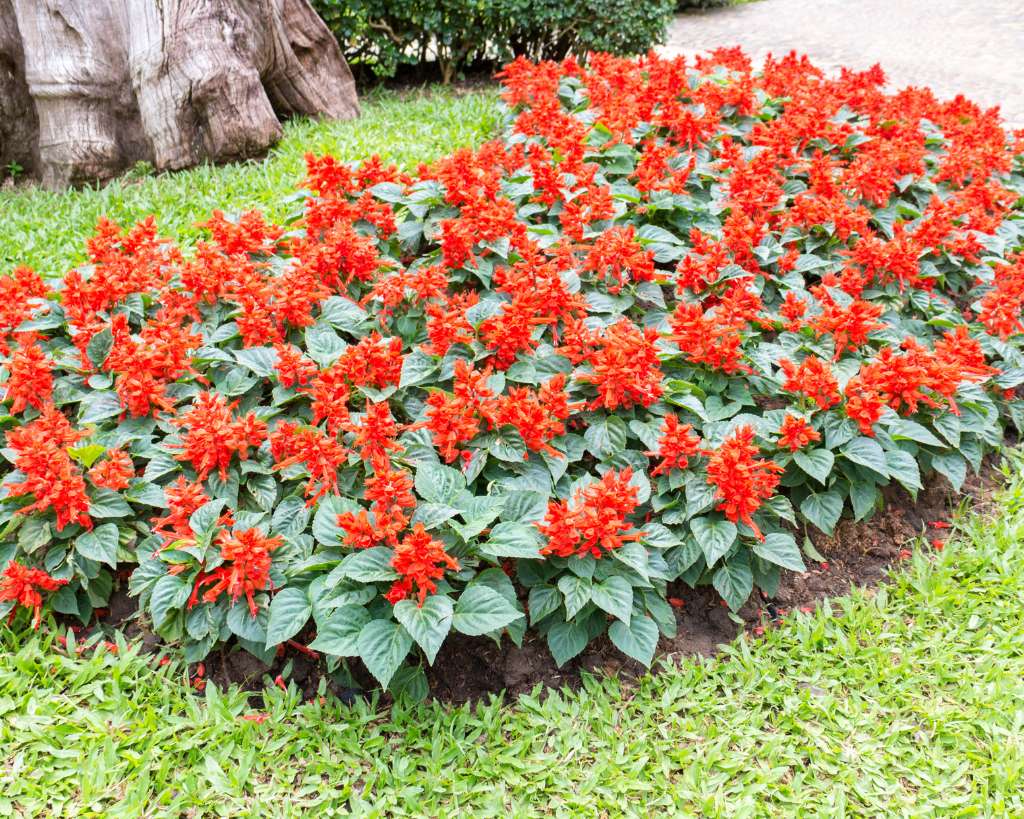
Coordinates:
[675,316]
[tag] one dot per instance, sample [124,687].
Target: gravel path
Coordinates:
[970,47]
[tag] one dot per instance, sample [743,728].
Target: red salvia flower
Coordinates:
[743,480]
[31,378]
[374,361]
[616,257]
[677,445]
[20,293]
[50,475]
[22,585]
[390,492]
[704,339]
[421,561]
[795,433]
[183,498]
[625,367]
[213,436]
[292,367]
[330,393]
[322,456]
[360,531]
[594,521]
[113,472]
[813,378]
[376,432]
[246,569]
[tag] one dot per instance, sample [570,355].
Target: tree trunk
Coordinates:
[171,82]
[18,125]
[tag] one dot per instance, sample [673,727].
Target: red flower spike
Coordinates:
[22,585]
[595,521]
[420,560]
[743,481]
[677,445]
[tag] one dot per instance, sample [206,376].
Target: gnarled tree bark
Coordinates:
[18,124]
[107,83]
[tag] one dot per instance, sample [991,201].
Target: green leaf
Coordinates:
[342,313]
[244,625]
[715,536]
[480,609]
[905,429]
[634,555]
[637,639]
[576,591]
[734,581]
[615,596]
[106,503]
[948,426]
[904,469]
[33,534]
[289,612]
[438,483]
[325,521]
[866,452]
[659,536]
[170,593]
[432,515]
[605,437]
[566,640]
[823,510]
[428,625]
[99,407]
[99,347]
[511,539]
[323,345]
[952,466]
[543,600]
[508,446]
[383,645]
[369,565]
[780,548]
[338,635]
[260,360]
[815,462]
[417,367]
[100,544]
[291,517]
[863,497]
[87,455]
[203,521]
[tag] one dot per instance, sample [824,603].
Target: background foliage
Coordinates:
[381,35]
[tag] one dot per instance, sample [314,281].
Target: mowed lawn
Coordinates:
[46,230]
[908,700]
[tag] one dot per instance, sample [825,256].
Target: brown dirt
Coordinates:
[472,668]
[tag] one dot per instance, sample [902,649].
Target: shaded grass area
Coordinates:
[46,230]
[907,700]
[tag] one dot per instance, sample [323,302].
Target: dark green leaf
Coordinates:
[637,639]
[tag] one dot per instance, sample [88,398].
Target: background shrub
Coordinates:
[382,35]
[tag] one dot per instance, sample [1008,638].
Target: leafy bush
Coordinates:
[383,34]
[676,317]
[688,5]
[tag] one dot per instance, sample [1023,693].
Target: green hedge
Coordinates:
[382,35]
[690,5]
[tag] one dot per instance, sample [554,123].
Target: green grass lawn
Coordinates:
[47,230]
[905,701]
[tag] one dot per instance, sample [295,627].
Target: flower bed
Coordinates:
[674,317]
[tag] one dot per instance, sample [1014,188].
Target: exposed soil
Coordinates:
[471,668]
